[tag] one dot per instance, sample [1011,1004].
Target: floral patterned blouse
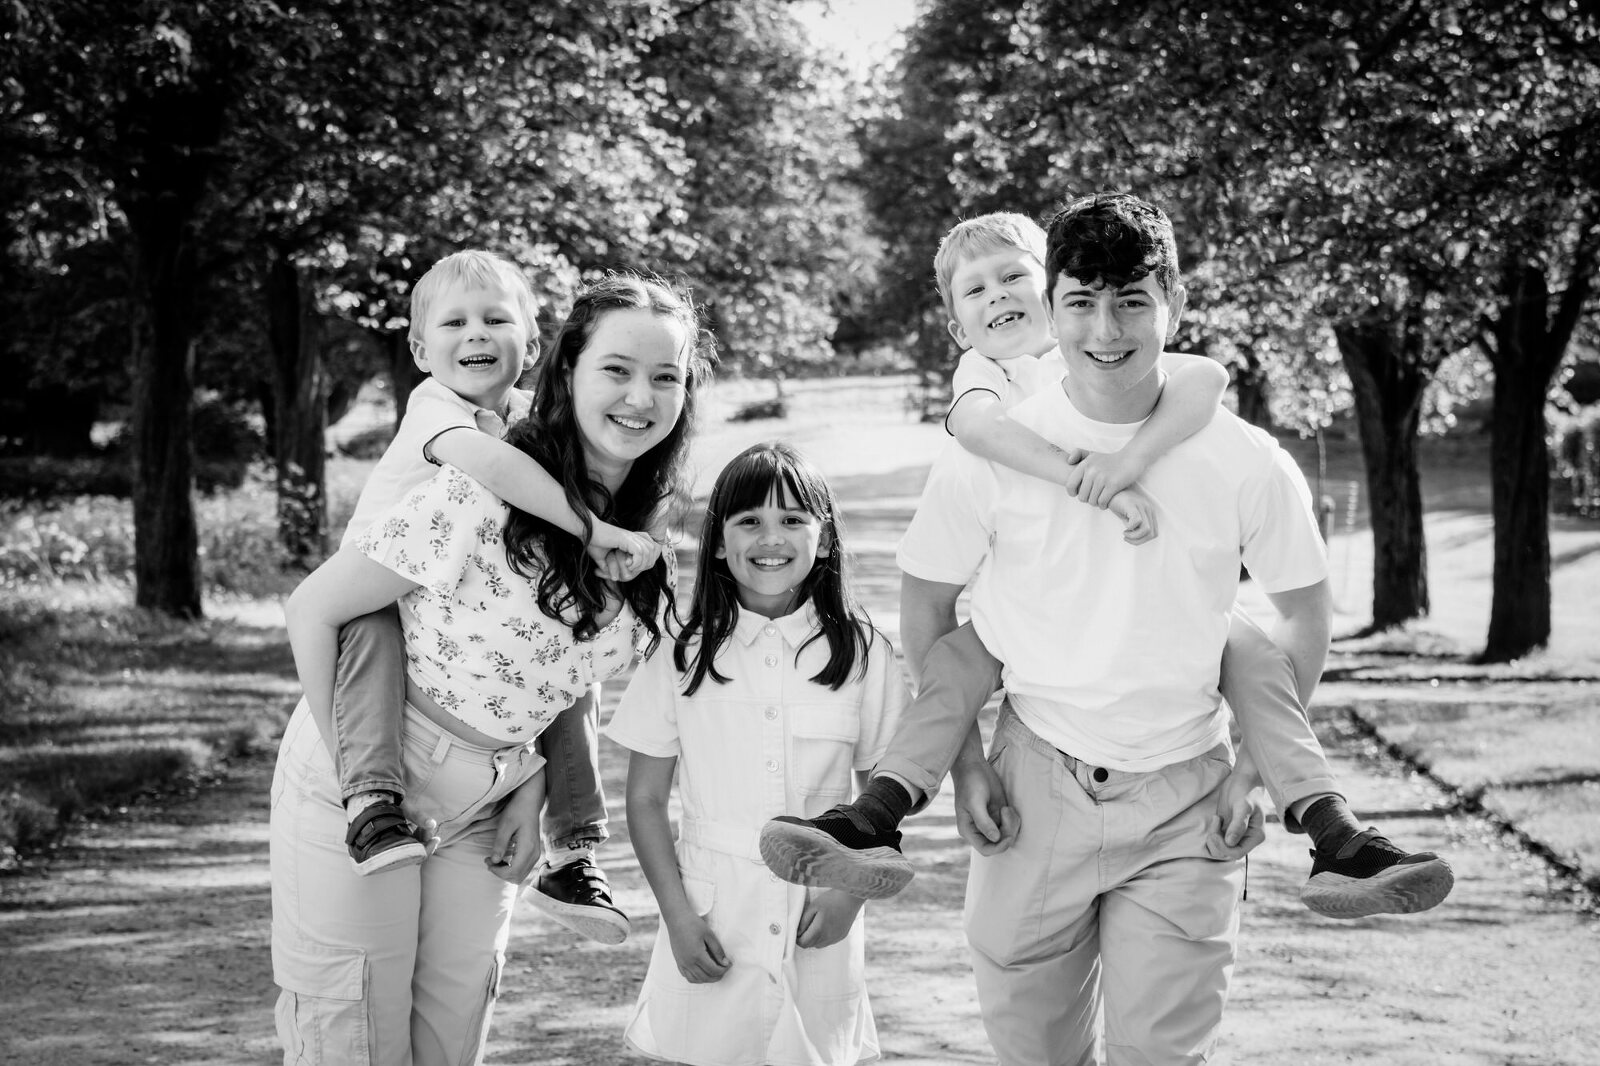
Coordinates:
[476,640]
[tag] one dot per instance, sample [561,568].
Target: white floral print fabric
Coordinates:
[476,640]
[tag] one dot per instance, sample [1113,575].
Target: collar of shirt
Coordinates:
[795,627]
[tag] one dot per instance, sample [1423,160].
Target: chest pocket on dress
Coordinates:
[824,742]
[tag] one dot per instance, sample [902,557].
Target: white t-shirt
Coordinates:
[770,741]
[1112,651]
[475,638]
[407,462]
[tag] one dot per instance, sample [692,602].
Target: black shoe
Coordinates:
[1369,875]
[838,849]
[382,838]
[578,896]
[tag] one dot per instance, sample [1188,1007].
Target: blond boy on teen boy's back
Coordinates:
[991,275]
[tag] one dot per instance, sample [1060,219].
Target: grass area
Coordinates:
[100,703]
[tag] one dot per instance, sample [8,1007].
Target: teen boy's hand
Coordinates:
[697,950]
[827,918]
[983,817]
[1240,821]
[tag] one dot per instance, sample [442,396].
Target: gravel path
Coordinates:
[144,940]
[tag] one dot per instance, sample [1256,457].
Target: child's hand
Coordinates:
[983,817]
[621,554]
[1138,514]
[697,950]
[827,918]
[1101,475]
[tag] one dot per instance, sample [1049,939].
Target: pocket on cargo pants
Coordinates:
[322,1004]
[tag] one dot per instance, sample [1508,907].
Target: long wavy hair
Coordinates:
[752,477]
[569,588]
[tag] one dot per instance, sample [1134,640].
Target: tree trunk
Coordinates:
[165,539]
[1381,357]
[1251,388]
[300,394]
[1528,346]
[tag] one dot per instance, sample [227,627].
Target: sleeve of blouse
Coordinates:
[884,695]
[432,535]
[646,718]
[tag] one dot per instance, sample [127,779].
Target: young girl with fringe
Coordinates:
[775,690]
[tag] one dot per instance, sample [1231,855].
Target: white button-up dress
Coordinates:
[769,742]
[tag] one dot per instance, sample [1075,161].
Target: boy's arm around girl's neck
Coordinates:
[508,472]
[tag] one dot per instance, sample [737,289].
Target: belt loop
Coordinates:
[442,748]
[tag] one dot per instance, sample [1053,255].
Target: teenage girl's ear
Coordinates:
[825,543]
[722,551]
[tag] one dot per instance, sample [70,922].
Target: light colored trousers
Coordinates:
[1105,934]
[1257,679]
[401,967]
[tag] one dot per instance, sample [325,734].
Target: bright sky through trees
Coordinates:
[865,31]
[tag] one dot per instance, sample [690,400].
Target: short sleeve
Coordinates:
[976,373]
[1280,543]
[646,719]
[884,695]
[432,535]
[431,409]
[428,415]
[949,535]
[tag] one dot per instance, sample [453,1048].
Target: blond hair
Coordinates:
[986,233]
[472,269]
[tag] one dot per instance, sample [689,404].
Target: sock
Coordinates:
[362,800]
[883,803]
[577,851]
[1330,824]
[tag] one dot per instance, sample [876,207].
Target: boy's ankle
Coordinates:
[574,851]
[354,805]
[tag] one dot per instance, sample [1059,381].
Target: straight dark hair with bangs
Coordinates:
[748,481]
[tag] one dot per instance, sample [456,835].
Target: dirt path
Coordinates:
[145,941]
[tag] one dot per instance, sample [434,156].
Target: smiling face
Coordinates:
[628,388]
[474,343]
[770,550]
[1111,337]
[998,302]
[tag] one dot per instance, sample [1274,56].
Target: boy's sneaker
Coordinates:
[381,837]
[1369,875]
[837,849]
[578,896]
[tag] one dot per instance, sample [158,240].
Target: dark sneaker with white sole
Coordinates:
[381,837]
[1369,875]
[838,849]
[578,896]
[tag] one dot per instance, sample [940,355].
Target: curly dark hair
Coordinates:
[1113,239]
[568,585]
